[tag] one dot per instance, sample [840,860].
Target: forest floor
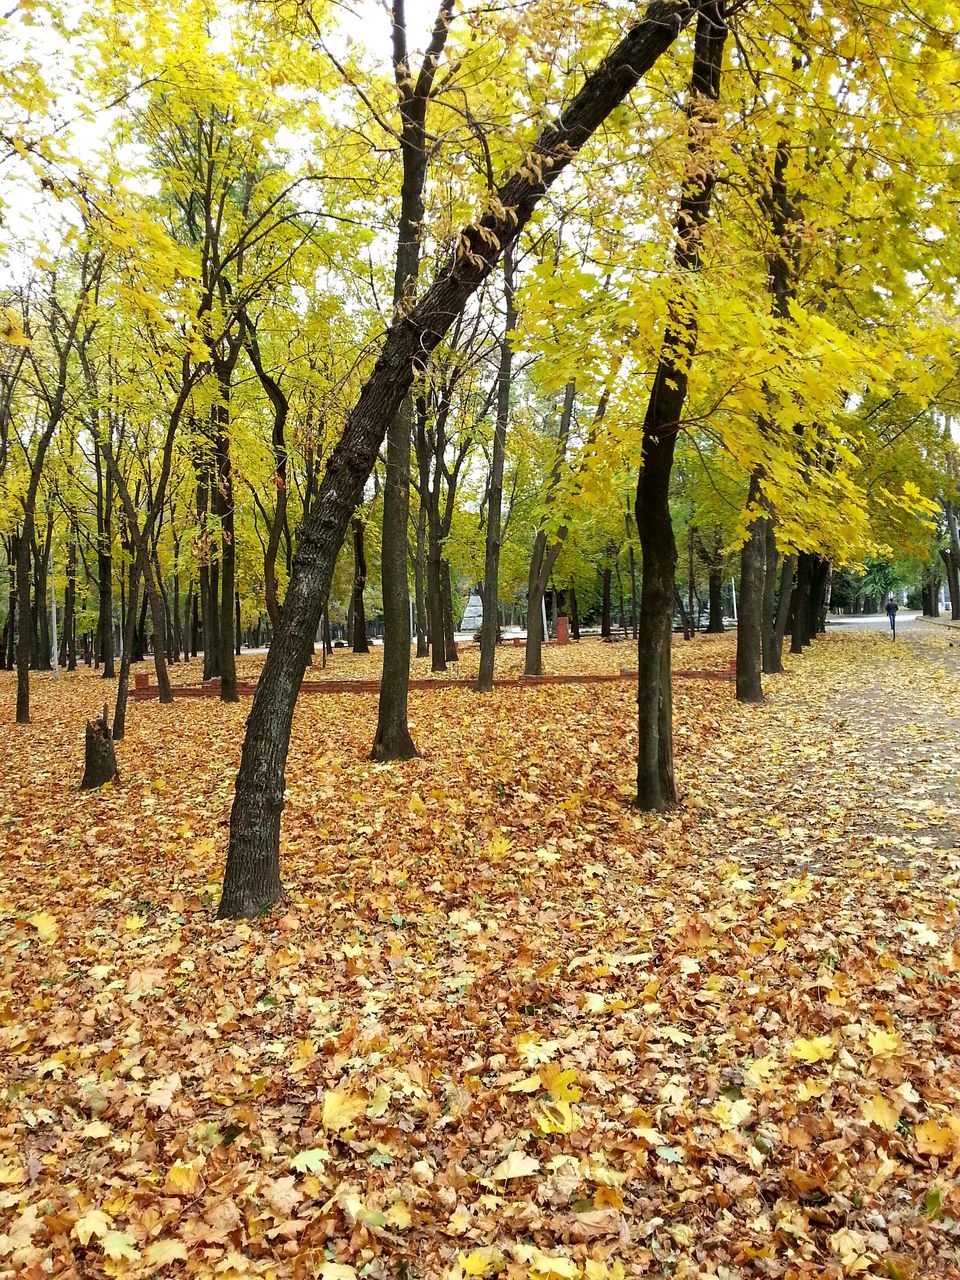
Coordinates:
[505,1024]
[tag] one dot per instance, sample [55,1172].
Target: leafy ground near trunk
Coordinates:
[504,1025]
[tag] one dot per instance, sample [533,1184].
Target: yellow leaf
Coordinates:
[161,1252]
[45,925]
[529,1084]
[119,1245]
[337,1271]
[819,1049]
[517,1165]
[480,1262]
[416,804]
[556,1117]
[399,1215]
[341,1108]
[884,1043]
[880,1112]
[97,1129]
[935,1139]
[560,1084]
[594,1269]
[182,1179]
[547,1265]
[94,1223]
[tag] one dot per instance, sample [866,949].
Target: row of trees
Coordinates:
[543,299]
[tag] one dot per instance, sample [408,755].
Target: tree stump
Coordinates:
[100,760]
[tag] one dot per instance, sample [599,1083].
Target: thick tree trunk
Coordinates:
[449,626]
[771,660]
[750,614]
[360,642]
[100,758]
[606,630]
[252,880]
[800,605]
[715,591]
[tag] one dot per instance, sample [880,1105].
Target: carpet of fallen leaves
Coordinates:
[504,1025]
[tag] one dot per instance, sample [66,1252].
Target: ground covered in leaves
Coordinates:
[505,1025]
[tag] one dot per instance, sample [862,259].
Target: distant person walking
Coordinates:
[892,607]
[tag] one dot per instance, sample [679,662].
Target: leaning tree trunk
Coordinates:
[252,879]
[100,757]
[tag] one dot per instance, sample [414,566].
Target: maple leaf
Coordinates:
[311,1160]
[341,1108]
[120,1246]
[884,1043]
[517,1165]
[45,925]
[183,1178]
[160,1253]
[93,1223]
[818,1049]
[560,1084]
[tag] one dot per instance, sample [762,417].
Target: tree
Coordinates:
[252,879]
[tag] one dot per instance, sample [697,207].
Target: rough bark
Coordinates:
[100,757]
[360,642]
[656,784]
[252,880]
[750,619]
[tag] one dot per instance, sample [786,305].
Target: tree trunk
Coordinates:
[252,879]
[574,615]
[750,615]
[449,627]
[606,631]
[100,758]
[105,565]
[715,590]
[420,584]
[800,604]
[25,628]
[120,710]
[223,498]
[438,644]
[953,531]
[771,660]
[360,643]
[656,784]
[494,532]
[783,613]
[68,647]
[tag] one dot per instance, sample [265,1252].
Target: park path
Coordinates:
[861,743]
